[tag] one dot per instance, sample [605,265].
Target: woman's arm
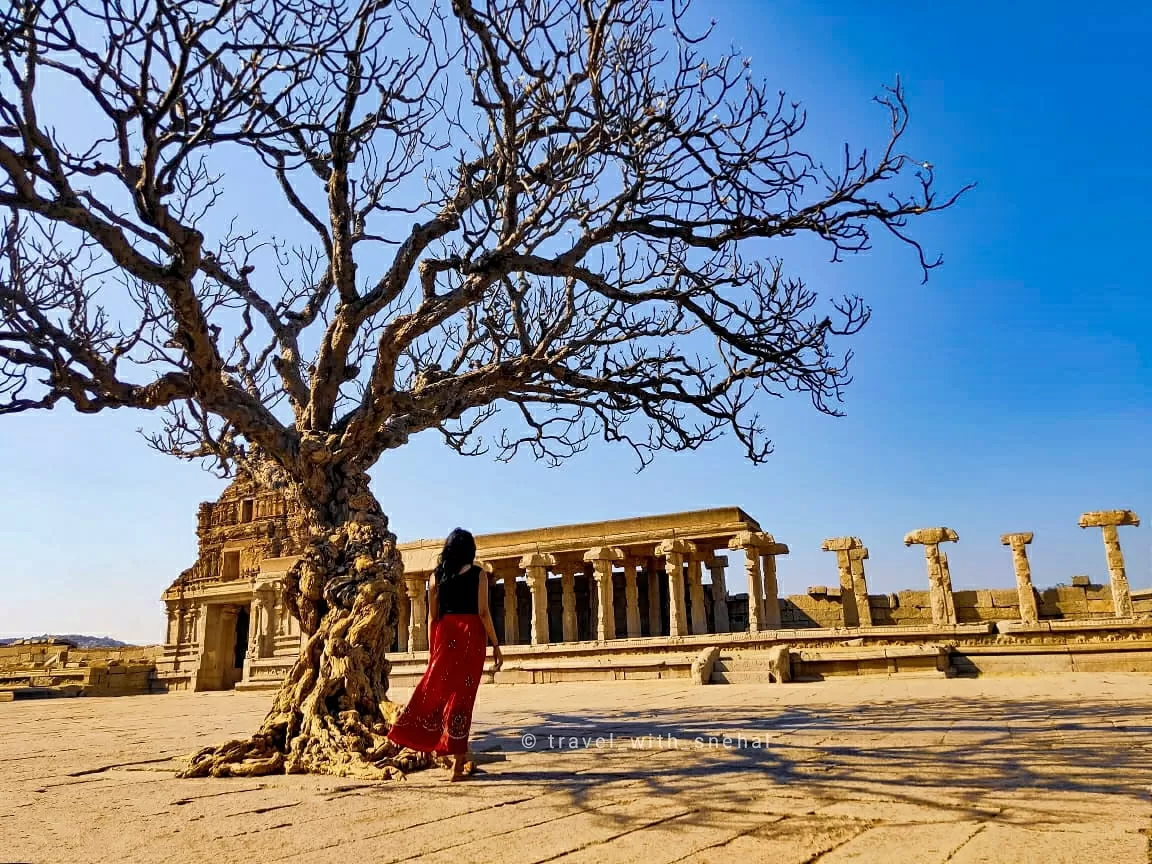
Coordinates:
[486,619]
[433,607]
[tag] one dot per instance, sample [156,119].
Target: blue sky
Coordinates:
[1011,393]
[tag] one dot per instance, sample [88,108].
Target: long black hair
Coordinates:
[459,549]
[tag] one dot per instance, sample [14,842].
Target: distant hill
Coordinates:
[77,639]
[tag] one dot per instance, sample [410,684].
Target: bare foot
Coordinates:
[461,768]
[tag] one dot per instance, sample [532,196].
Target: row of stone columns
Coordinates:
[1107,520]
[940,579]
[686,614]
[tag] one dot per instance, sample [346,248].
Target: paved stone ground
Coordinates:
[1051,769]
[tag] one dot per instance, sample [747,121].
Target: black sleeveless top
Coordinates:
[460,593]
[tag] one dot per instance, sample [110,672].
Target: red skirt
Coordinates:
[438,717]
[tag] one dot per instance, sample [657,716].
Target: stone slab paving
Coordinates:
[1045,768]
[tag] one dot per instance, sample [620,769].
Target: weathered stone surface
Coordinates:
[750,543]
[939,577]
[1109,520]
[537,559]
[1104,518]
[674,552]
[1026,594]
[601,553]
[931,535]
[716,567]
[703,664]
[850,557]
[535,567]
[841,544]
[780,663]
[1032,769]
[856,559]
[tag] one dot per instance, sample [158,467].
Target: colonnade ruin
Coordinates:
[643,597]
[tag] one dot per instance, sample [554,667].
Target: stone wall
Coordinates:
[22,656]
[62,670]
[823,606]
[1142,602]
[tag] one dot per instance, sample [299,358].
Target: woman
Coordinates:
[438,717]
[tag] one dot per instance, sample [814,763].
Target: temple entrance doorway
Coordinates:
[226,629]
[240,643]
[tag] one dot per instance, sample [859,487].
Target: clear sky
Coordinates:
[1011,393]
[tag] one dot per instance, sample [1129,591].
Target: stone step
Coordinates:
[810,664]
[256,686]
[723,663]
[746,677]
[67,690]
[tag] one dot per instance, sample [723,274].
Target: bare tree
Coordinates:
[566,207]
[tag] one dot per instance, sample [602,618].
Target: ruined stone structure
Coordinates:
[226,609]
[644,597]
[33,668]
[567,584]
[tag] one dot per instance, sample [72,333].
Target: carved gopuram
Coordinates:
[226,611]
[650,597]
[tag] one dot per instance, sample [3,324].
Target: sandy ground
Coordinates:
[1041,769]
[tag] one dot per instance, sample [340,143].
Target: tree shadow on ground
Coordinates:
[961,756]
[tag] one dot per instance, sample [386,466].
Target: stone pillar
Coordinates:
[602,559]
[172,634]
[768,553]
[1019,543]
[511,619]
[655,619]
[183,616]
[568,584]
[696,592]
[760,551]
[744,542]
[593,604]
[199,622]
[856,558]
[403,615]
[282,619]
[417,587]
[254,615]
[536,569]
[1110,520]
[850,555]
[841,545]
[716,566]
[673,552]
[261,623]
[631,598]
[939,578]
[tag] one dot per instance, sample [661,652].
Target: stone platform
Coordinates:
[865,769]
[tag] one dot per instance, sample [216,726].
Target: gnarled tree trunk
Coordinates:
[332,714]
